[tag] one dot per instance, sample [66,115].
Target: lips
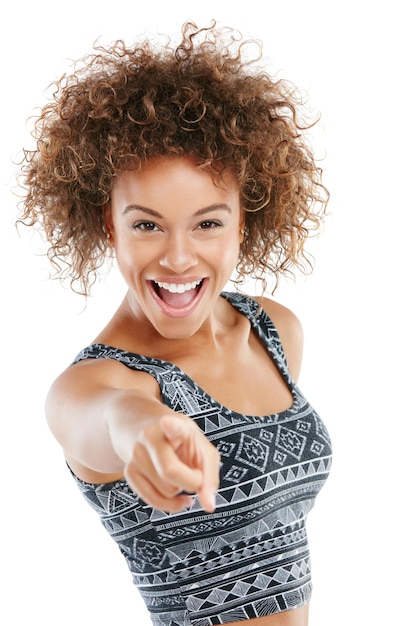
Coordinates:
[176,296]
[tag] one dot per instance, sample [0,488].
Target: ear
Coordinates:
[108,222]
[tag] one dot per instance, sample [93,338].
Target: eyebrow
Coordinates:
[153,213]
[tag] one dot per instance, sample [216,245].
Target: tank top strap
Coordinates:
[264,327]
[178,390]
[162,371]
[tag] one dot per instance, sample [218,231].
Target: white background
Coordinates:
[357,62]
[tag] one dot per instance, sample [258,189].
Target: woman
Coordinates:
[182,423]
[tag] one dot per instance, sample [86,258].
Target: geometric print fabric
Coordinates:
[250,557]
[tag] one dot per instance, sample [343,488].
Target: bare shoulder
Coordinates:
[82,385]
[290,332]
[102,373]
[284,319]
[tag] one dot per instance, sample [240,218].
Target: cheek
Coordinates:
[228,253]
[129,258]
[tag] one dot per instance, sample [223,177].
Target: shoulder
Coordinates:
[283,318]
[290,331]
[91,376]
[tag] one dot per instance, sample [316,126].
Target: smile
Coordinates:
[178,299]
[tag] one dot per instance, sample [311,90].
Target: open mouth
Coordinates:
[177,295]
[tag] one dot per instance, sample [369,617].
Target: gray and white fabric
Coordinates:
[250,558]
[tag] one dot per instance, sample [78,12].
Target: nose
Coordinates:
[179,255]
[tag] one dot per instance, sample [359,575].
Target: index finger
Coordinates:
[210,479]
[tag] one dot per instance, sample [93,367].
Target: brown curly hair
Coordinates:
[203,97]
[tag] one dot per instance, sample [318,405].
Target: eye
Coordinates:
[209,224]
[145,226]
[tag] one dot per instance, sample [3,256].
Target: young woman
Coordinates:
[182,422]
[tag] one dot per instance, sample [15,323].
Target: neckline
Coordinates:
[256,313]
[224,410]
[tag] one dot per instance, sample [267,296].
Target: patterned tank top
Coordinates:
[249,558]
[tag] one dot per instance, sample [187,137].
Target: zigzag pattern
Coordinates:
[250,557]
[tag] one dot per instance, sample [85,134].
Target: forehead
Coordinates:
[182,175]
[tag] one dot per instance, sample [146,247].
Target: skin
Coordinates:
[169,223]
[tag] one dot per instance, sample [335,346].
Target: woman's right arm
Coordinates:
[112,423]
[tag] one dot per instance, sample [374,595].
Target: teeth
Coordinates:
[178,287]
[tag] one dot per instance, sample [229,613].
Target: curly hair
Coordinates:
[206,98]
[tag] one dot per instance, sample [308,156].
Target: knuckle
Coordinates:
[170,472]
[172,491]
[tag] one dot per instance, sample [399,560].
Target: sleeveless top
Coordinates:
[249,558]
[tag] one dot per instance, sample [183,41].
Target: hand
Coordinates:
[173,456]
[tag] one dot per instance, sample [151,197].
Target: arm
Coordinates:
[112,421]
